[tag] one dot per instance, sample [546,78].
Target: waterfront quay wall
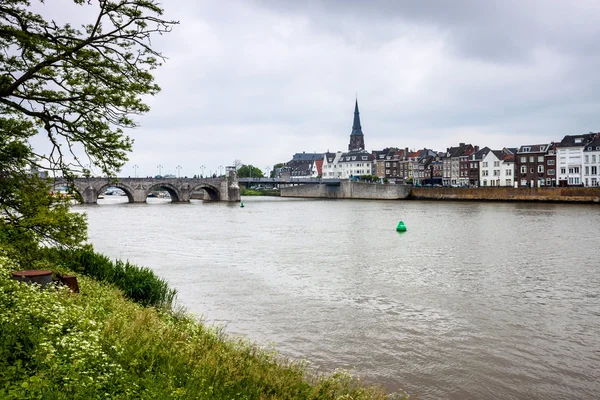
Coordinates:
[348,190]
[558,194]
[372,191]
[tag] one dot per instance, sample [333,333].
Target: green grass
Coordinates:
[99,344]
[251,192]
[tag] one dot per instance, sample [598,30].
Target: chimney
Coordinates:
[476,149]
[461,144]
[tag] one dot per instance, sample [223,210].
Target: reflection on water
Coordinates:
[475,300]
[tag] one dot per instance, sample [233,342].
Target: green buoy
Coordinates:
[242,204]
[401,227]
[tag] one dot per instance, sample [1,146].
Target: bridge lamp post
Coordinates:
[159,169]
[220,167]
[178,171]
[135,168]
[202,168]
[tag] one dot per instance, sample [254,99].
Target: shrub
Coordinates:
[137,283]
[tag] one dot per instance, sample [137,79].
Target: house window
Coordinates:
[523,160]
[485,164]
[550,172]
[526,149]
[531,170]
[587,170]
[523,169]
[542,148]
[541,169]
[593,158]
[550,162]
[353,158]
[531,158]
[587,159]
[387,164]
[496,163]
[496,172]
[508,172]
[540,158]
[594,170]
[508,182]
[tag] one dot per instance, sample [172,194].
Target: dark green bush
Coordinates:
[137,283]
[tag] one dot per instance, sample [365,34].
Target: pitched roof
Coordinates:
[481,153]
[499,154]
[576,140]
[533,148]
[353,156]
[594,145]
[330,157]
[307,156]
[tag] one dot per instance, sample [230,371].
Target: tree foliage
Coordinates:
[275,167]
[80,87]
[250,171]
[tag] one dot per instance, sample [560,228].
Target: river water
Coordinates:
[474,301]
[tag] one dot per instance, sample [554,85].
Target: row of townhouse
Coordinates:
[574,161]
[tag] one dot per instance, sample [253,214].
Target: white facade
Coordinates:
[346,165]
[496,172]
[332,170]
[591,164]
[353,164]
[570,164]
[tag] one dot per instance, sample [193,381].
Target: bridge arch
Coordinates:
[213,192]
[171,189]
[75,189]
[128,190]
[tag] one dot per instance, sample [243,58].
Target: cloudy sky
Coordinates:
[259,80]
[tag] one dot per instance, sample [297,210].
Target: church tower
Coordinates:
[357,139]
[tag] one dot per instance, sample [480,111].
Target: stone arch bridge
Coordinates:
[138,189]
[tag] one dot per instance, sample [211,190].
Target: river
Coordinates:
[474,301]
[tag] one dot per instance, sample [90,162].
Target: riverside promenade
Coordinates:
[374,191]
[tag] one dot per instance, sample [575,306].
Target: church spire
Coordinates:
[356,128]
[357,139]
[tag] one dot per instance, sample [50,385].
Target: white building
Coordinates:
[497,169]
[331,167]
[357,163]
[346,165]
[591,163]
[569,157]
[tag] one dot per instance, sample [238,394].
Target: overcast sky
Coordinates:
[259,80]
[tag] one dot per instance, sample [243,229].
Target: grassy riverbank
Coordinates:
[101,344]
[264,192]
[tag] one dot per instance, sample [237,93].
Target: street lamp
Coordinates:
[159,169]
[178,171]
[220,166]
[135,168]
[202,175]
